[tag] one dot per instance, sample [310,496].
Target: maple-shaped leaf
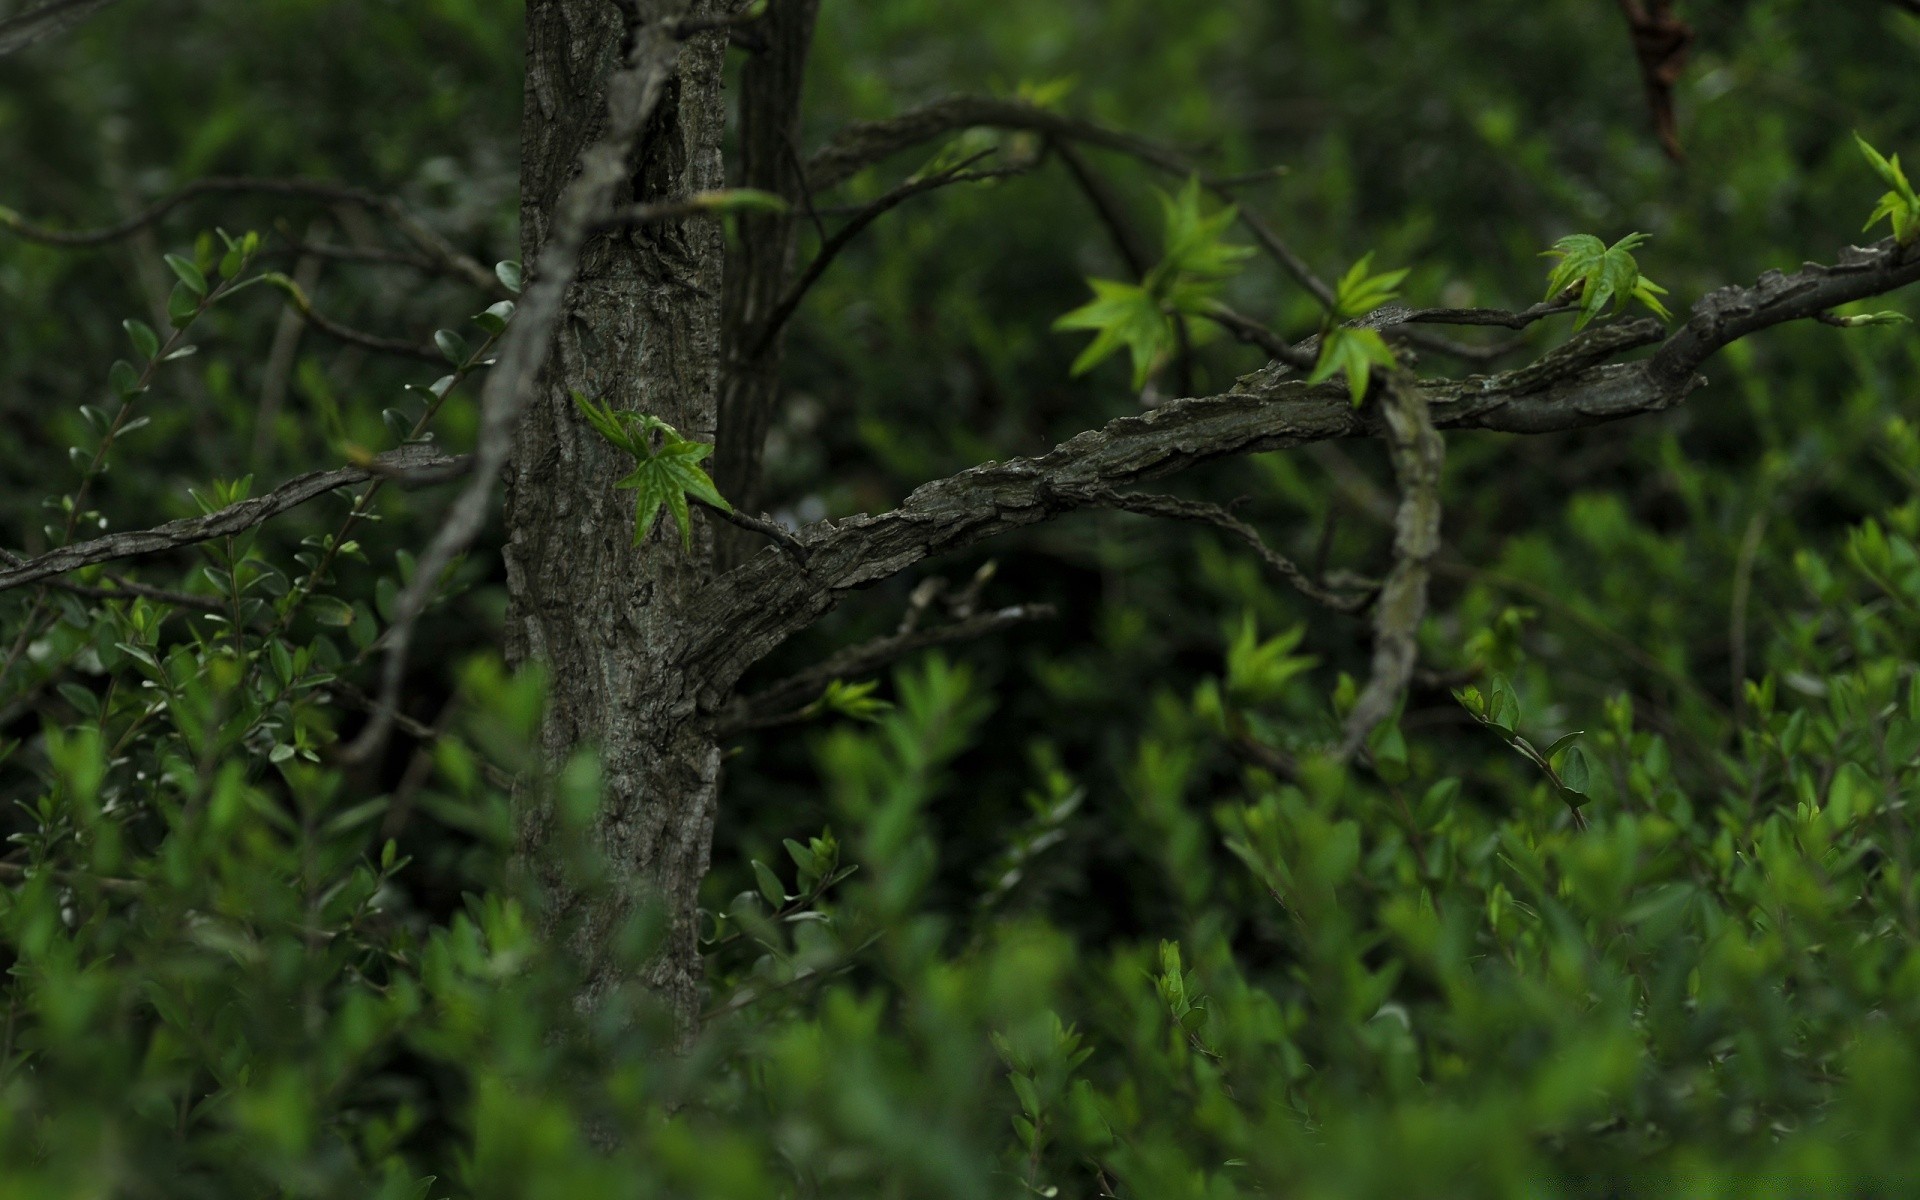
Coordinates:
[1195,251]
[664,474]
[1123,315]
[1602,273]
[1354,353]
[1349,351]
[1359,293]
[1900,206]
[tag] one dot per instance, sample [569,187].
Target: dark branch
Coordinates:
[781,703]
[859,146]
[225,522]
[1148,504]
[19,32]
[759,604]
[830,250]
[432,244]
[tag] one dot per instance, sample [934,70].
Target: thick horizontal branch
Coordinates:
[406,462]
[753,608]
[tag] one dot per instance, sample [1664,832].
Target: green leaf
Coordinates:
[1124,315]
[124,380]
[495,319]
[509,275]
[770,885]
[145,340]
[1576,773]
[662,478]
[183,305]
[1353,353]
[1359,293]
[1600,273]
[1195,253]
[452,346]
[189,274]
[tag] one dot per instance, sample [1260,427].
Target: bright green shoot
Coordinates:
[1140,317]
[664,475]
[1355,352]
[1597,273]
[1899,206]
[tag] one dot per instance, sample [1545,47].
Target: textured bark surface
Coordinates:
[640,330]
[770,85]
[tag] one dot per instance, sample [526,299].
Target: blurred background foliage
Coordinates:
[1048,923]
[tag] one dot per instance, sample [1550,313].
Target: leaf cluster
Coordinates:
[1597,273]
[1141,318]
[1345,350]
[1899,207]
[666,471]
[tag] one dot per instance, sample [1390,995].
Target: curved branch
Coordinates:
[859,146]
[1418,454]
[753,608]
[831,248]
[774,704]
[1151,505]
[417,460]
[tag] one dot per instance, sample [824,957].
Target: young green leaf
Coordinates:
[1599,273]
[1899,206]
[1122,316]
[144,339]
[664,476]
[189,274]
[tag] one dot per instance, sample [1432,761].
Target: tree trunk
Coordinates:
[757,272]
[640,330]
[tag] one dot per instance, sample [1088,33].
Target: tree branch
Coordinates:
[844,236]
[415,461]
[1418,453]
[436,247]
[859,146]
[1148,504]
[19,32]
[753,608]
[776,703]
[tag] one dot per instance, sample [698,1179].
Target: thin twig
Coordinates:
[433,244]
[829,250]
[781,703]
[1155,505]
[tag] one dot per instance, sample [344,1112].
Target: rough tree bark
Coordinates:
[640,329]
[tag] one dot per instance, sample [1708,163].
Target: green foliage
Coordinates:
[854,700]
[1596,273]
[1141,317]
[1352,352]
[666,472]
[1900,206]
[1085,916]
